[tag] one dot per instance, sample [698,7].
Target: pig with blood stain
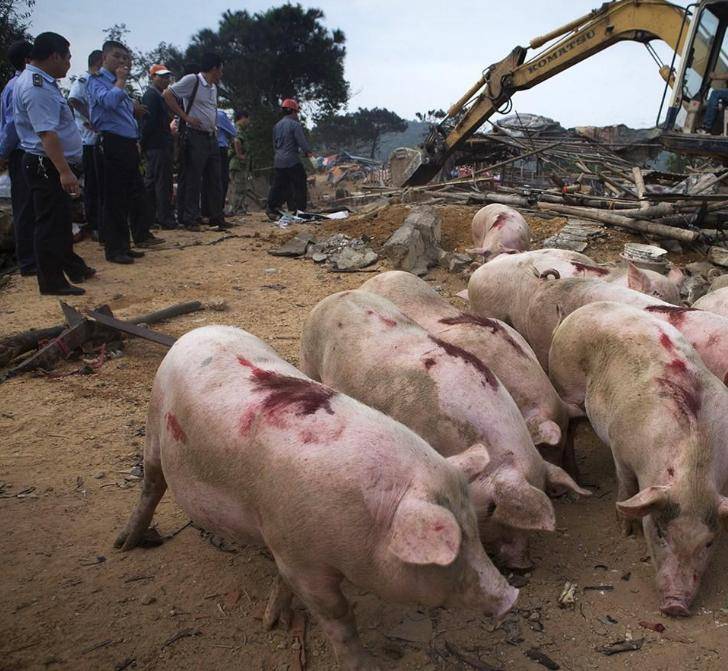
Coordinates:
[362,345]
[255,451]
[534,303]
[664,415]
[563,263]
[495,343]
[499,229]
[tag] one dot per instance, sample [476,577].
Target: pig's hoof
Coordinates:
[675,608]
[120,540]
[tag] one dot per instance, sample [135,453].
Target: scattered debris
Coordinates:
[182,633]
[415,628]
[598,588]
[567,599]
[542,658]
[624,645]
[469,660]
[512,628]
[575,235]
[296,246]
[415,246]
[653,626]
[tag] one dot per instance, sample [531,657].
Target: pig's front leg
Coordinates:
[627,487]
[279,605]
[321,593]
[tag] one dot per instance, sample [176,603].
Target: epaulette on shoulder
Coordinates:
[37,79]
[82,80]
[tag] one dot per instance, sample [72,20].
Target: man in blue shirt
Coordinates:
[289,177]
[53,152]
[78,100]
[113,115]
[12,155]
[225,134]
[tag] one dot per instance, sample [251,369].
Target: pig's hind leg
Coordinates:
[627,487]
[320,591]
[279,605]
[153,489]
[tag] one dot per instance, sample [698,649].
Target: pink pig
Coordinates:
[650,398]
[714,301]
[495,343]
[499,229]
[255,451]
[359,343]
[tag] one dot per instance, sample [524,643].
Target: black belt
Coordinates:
[209,133]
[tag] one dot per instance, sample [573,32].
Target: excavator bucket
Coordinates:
[403,163]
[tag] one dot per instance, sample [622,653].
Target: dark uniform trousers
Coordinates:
[23,215]
[53,236]
[125,203]
[224,180]
[201,157]
[92,186]
[158,183]
[289,185]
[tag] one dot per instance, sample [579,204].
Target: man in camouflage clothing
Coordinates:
[240,164]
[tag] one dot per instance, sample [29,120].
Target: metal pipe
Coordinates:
[537,42]
[455,108]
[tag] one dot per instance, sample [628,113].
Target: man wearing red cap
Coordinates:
[156,143]
[289,179]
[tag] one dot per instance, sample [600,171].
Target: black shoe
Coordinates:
[124,259]
[86,274]
[169,227]
[192,227]
[272,215]
[28,272]
[135,254]
[95,236]
[70,290]
[220,225]
[150,241]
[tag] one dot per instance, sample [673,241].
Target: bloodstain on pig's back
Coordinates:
[285,391]
[469,358]
[501,220]
[675,313]
[175,429]
[585,268]
[495,327]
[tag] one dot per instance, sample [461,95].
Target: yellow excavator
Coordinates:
[698,35]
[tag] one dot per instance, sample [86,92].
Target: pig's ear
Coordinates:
[723,511]
[636,279]
[463,294]
[424,533]
[644,502]
[676,276]
[557,479]
[544,431]
[520,505]
[472,462]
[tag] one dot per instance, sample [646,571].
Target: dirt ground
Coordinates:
[69,446]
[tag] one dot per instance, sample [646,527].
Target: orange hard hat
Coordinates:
[290,104]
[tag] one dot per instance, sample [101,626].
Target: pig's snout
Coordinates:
[675,607]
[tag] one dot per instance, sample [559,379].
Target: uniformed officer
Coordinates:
[53,152]
[113,114]
[11,155]
[289,178]
[92,178]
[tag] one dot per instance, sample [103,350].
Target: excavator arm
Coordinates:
[634,20]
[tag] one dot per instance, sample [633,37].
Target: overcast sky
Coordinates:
[407,55]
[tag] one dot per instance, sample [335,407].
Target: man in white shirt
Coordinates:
[198,140]
[92,170]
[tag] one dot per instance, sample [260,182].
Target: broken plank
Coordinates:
[132,329]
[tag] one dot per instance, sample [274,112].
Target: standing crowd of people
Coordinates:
[124,150]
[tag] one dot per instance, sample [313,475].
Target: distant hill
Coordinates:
[412,137]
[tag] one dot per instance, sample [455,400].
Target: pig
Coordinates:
[509,290]
[650,398]
[255,451]
[719,282]
[495,343]
[499,229]
[562,264]
[362,345]
[714,301]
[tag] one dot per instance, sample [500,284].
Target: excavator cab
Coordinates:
[703,71]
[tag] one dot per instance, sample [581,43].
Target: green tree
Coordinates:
[14,15]
[357,131]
